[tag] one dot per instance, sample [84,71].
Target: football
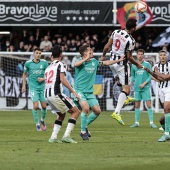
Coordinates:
[140,7]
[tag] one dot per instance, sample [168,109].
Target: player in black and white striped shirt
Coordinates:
[164,68]
[162,73]
[122,44]
[55,76]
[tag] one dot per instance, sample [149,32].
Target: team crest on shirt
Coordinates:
[41,66]
[92,64]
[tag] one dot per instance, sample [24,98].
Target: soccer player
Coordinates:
[122,43]
[35,69]
[162,70]
[55,76]
[85,74]
[142,88]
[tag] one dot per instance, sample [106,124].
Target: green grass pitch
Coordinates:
[112,146]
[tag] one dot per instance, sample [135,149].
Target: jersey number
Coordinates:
[48,76]
[117,44]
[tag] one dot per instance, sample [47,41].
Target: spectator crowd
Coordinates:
[27,39]
[30,38]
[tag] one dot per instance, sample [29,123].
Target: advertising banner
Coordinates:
[55,13]
[159,11]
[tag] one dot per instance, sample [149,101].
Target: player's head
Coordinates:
[37,54]
[131,25]
[140,54]
[57,51]
[86,50]
[163,56]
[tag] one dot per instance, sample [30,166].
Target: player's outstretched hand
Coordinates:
[159,75]
[122,58]
[76,95]
[156,75]
[40,79]
[101,58]
[156,69]
[142,86]
[23,89]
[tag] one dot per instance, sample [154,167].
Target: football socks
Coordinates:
[150,115]
[83,117]
[91,118]
[167,123]
[56,129]
[137,115]
[120,103]
[70,127]
[43,113]
[35,115]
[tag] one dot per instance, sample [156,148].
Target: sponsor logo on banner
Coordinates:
[161,12]
[35,12]
[56,13]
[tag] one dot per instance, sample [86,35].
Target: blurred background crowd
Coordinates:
[26,39]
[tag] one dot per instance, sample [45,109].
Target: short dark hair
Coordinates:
[56,51]
[83,48]
[162,51]
[37,49]
[141,50]
[131,23]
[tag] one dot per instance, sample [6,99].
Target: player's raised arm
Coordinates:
[131,59]
[86,55]
[165,77]
[80,62]
[110,62]
[106,48]
[156,75]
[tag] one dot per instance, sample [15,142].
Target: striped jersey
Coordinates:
[53,85]
[164,69]
[122,42]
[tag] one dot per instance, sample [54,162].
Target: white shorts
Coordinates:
[122,73]
[164,94]
[60,103]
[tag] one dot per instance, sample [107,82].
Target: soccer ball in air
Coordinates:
[140,7]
